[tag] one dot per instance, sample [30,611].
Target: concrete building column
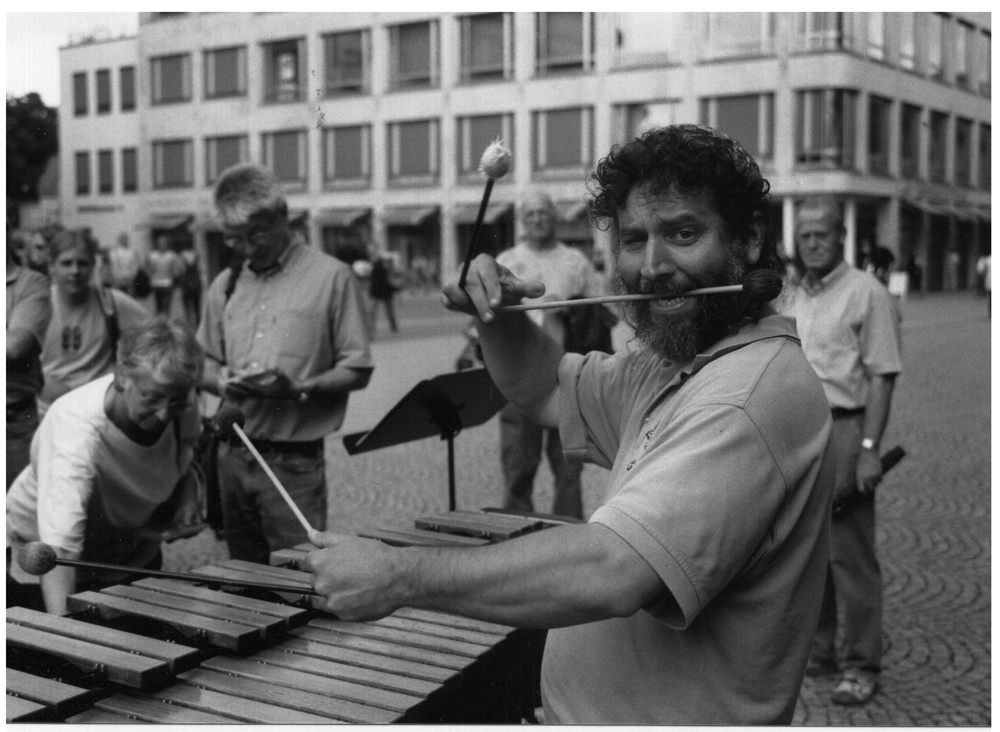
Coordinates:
[850,229]
[450,254]
[887,229]
[788,226]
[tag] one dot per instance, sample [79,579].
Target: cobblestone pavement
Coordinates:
[933,508]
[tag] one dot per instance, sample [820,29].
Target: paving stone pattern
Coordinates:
[933,515]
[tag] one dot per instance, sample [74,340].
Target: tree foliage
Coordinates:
[32,139]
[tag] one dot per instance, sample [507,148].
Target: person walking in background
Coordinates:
[164,268]
[286,342]
[566,274]
[984,268]
[27,316]
[125,263]
[190,285]
[850,334]
[36,252]
[87,318]
[382,289]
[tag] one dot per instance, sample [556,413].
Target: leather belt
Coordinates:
[841,412]
[312,448]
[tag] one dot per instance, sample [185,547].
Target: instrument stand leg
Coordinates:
[451,472]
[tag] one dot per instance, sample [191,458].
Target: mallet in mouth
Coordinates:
[232,419]
[760,285]
[495,163]
[38,558]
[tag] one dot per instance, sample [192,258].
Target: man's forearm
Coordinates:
[523,362]
[335,382]
[877,407]
[21,345]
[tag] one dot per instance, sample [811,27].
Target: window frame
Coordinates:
[130,154]
[963,168]
[822,154]
[399,82]
[466,157]
[127,101]
[212,168]
[81,94]
[331,88]
[539,147]
[625,59]
[907,52]
[545,66]
[985,147]
[156,79]
[102,156]
[935,51]
[271,92]
[468,75]
[937,163]
[82,182]
[763,151]
[713,50]
[909,167]
[882,157]
[209,61]
[267,153]
[158,149]
[106,106]
[433,175]
[331,180]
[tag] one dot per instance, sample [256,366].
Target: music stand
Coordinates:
[443,406]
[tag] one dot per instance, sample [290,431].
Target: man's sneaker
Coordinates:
[821,667]
[854,688]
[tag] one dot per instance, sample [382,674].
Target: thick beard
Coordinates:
[680,338]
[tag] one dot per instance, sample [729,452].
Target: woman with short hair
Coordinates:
[86,318]
[110,459]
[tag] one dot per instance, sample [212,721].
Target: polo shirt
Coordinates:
[29,308]
[302,317]
[718,481]
[849,331]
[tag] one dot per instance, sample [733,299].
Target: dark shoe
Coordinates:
[855,687]
[817,667]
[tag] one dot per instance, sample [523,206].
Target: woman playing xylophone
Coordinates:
[109,459]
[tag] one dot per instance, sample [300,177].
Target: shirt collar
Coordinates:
[770,325]
[813,286]
[282,261]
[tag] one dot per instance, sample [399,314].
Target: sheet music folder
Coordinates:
[441,406]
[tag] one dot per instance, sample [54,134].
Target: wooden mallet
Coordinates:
[495,163]
[759,285]
[38,558]
[232,420]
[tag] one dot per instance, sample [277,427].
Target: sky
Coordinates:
[34,39]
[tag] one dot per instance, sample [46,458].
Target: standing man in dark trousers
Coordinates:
[29,309]
[286,342]
[850,335]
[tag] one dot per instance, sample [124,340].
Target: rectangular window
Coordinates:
[347,62]
[105,171]
[935,45]
[738,34]
[963,152]
[879,116]
[631,120]
[563,140]
[130,170]
[347,155]
[825,31]
[413,151]
[222,153]
[909,142]
[171,79]
[986,41]
[985,150]
[825,128]
[285,153]
[415,52]
[126,79]
[284,70]
[83,174]
[565,43]
[938,146]
[79,94]
[648,39]
[487,47]
[103,91]
[173,166]
[875,37]
[474,136]
[747,119]
[963,54]
[225,72]
[907,40]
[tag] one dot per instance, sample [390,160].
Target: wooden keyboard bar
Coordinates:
[120,667]
[23,710]
[158,710]
[55,696]
[177,657]
[221,633]
[443,659]
[291,616]
[373,631]
[308,647]
[422,537]
[478,525]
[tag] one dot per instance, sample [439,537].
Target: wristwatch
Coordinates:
[303,397]
[868,444]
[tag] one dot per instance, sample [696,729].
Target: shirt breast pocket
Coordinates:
[302,337]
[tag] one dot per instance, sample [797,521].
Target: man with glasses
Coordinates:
[286,342]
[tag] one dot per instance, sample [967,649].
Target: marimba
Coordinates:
[173,652]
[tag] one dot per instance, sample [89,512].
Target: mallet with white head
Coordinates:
[495,163]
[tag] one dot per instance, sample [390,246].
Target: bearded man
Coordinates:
[691,595]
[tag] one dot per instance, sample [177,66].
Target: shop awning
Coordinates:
[168,221]
[342,217]
[924,205]
[570,211]
[494,212]
[408,215]
[984,214]
[961,212]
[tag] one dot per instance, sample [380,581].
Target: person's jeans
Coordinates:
[255,516]
[21,426]
[520,455]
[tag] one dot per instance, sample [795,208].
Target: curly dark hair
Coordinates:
[689,158]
